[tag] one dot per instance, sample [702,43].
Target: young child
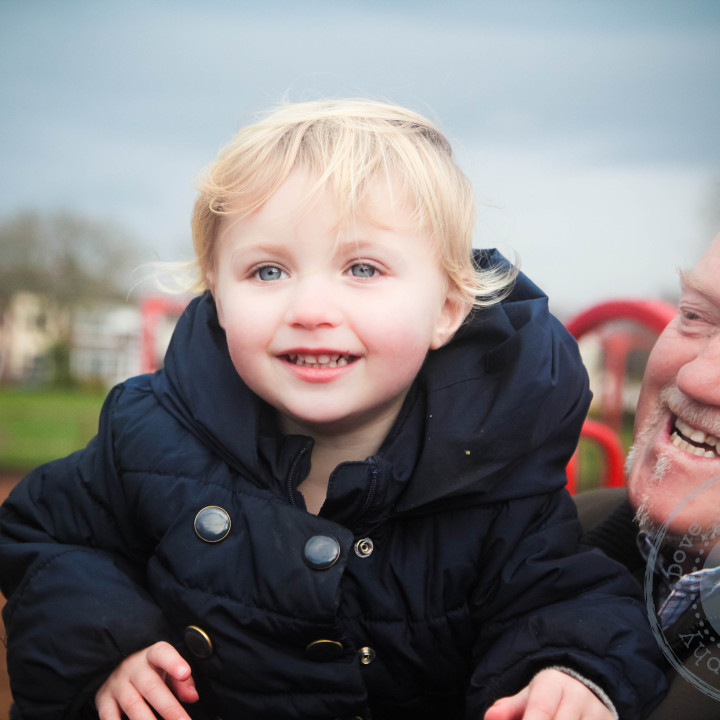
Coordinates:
[343,496]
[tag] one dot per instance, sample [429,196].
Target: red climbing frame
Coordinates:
[154,309]
[652,315]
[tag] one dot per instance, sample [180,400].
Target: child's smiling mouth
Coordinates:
[320,361]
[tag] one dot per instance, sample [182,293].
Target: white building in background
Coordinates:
[30,325]
[105,344]
[113,343]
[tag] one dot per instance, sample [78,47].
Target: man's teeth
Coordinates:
[684,433]
[320,361]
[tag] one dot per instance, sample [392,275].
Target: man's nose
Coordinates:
[314,302]
[699,378]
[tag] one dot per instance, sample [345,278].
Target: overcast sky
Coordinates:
[590,129]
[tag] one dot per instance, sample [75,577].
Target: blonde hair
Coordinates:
[346,144]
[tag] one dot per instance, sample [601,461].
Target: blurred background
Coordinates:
[590,130]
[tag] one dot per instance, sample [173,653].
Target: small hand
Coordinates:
[157,676]
[551,694]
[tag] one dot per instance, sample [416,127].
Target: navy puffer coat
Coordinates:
[441,573]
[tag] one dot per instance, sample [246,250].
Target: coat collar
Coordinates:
[481,406]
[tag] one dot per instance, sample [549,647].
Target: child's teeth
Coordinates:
[319,361]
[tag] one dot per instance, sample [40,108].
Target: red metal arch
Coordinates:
[153,309]
[613,453]
[651,314]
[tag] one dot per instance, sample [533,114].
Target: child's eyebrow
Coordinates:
[362,243]
[344,245]
[355,243]
[260,245]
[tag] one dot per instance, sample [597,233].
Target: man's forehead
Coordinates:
[705,276]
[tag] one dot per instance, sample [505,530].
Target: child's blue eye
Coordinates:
[268,273]
[363,270]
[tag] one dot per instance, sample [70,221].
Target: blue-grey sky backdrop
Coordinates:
[590,128]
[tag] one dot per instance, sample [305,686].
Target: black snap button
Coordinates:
[324,650]
[321,552]
[198,642]
[212,524]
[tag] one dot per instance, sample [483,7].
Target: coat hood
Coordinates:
[507,394]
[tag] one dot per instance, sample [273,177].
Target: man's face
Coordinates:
[677,424]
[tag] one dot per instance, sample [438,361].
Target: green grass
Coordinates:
[41,425]
[591,462]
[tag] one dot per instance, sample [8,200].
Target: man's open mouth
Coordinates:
[690,439]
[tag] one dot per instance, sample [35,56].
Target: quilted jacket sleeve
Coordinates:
[540,601]
[76,599]
[549,604]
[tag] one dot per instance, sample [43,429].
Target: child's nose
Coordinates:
[313,303]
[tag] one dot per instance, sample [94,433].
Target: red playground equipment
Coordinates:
[621,326]
[158,314]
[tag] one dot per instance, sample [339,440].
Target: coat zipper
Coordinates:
[293,473]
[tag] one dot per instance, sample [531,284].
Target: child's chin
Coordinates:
[320,420]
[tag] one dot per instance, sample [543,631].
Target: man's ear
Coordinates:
[452,314]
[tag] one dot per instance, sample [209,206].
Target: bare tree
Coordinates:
[64,255]
[66,260]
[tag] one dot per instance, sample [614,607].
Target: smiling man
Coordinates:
[667,531]
[678,415]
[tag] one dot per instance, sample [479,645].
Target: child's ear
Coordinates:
[451,317]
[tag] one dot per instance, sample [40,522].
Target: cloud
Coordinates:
[593,125]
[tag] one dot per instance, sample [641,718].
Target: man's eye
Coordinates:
[689,316]
[269,273]
[697,323]
[363,270]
